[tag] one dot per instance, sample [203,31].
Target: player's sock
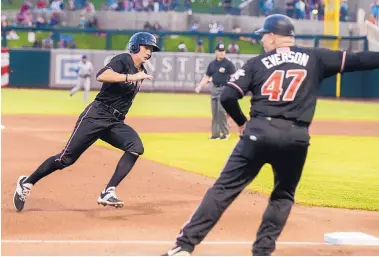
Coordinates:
[124,166]
[47,167]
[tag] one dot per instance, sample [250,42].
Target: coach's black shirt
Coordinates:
[220,71]
[284,82]
[120,95]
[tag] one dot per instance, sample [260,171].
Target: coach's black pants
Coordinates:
[95,122]
[277,142]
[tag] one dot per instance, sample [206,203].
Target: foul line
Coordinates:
[136,242]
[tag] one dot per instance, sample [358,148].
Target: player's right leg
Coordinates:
[125,138]
[215,125]
[77,87]
[287,165]
[85,133]
[223,121]
[243,165]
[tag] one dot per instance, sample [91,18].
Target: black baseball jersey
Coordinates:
[284,82]
[120,95]
[220,71]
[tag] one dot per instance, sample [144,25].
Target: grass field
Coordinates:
[340,171]
[338,177]
[19,101]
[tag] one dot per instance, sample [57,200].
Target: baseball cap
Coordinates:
[84,56]
[220,47]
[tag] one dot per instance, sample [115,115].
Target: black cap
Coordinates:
[220,47]
[278,24]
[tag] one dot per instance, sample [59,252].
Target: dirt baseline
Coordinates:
[159,199]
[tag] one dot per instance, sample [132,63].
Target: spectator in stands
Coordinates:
[320,10]
[56,6]
[41,6]
[4,22]
[228,6]
[71,45]
[48,42]
[82,21]
[156,27]
[90,8]
[145,5]
[213,27]
[40,22]
[37,43]
[54,19]
[166,5]
[344,10]
[199,45]
[236,28]
[375,12]
[71,5]
[147,26]
[182,47]
[27,18]
[290,9]
[188,6]
[111,5]
[195,26]
[156,5]
[220,28]
[268,7]
[261,6]
[300,9]
[120,5]
[174,5]
[92,22]
[25,7]
[233,48]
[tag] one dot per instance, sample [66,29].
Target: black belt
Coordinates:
[218,85]
[293,121]
[119,115]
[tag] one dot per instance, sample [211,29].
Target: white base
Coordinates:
[351,238]
[2,126]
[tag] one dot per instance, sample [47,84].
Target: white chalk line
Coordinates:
[145,242]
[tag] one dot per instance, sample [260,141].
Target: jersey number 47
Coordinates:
[273,87]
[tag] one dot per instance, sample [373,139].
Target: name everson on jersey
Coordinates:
[289,57]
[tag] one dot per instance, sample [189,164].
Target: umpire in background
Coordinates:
[219,70]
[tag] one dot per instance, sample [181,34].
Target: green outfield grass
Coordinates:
[340,171]
[19,101]
[345,175]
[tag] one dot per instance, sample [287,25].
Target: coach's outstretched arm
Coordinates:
[334,62]
[361,61]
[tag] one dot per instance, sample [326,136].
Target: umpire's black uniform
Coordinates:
[220,72]
[284,85]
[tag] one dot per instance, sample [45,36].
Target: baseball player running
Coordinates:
[219,71]
[284,82]
[104,119]
[84,72]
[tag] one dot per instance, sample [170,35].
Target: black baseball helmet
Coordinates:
[144,39]
[278,24]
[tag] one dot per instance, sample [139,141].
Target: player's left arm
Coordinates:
[236,88]
[333,62]
[360,61]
